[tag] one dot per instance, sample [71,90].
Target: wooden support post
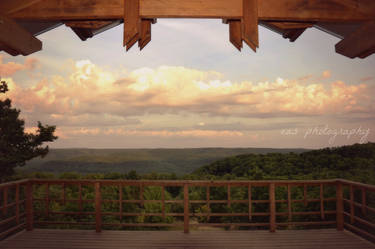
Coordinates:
[98,213]
[18,203]
[250,23]
[289,202]
[29,207]
[305,195]
[364,201]
[351,204]
[272,207]
[339,207]
[322,215]
[5,201]
[235,33]
[186,208]
[250,203]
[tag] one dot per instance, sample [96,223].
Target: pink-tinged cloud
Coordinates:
[94,95]
[151,133]
[10,68]
[326,74]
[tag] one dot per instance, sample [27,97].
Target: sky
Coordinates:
[189,87]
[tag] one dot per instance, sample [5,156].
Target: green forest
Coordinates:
[75,203]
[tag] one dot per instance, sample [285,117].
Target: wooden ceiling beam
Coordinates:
[11,6]
[17,39]
[360,43]
[270,10]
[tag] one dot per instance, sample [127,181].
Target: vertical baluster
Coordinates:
[208,201]
[228,194]
[249,199]
[18,203]
[272,207]
[80,196]
[64,193]
[305,194]
[98,213]
[351,204]
[339,207]
[186,208]
[120,201]
[5,201]
[363,201]
[141,194]
[47,200]
[322,215]
[289,202]
[163,201]
[29,207]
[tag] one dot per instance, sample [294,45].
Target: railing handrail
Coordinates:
[357,184]
[193,182]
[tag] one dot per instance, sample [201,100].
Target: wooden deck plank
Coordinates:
[82,239]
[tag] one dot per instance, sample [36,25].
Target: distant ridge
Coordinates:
[178,161]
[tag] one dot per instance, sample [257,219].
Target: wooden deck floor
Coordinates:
[77,239]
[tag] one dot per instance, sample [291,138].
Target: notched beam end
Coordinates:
[360,43]
[235,33]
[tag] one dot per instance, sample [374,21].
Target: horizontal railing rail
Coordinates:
[359,208]
[13,201]
[185,203]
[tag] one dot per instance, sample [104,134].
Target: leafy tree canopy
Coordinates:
[16,146]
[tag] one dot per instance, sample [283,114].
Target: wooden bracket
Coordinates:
[135,28]
[245,29]
[250,23]
[361,43]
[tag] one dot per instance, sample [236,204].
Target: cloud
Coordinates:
[91,94]
[326,74]
[10,68]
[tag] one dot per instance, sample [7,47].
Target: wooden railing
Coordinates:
[13,196]
[358,208]
[185,204]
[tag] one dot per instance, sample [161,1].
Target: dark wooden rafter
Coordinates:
[360,43]
[289,30]
[16,40]
[87,29]
[287,17]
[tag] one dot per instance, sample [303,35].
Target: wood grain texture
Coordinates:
[250,23]
[235,33]
[292,239]
[17,38]
[359,43]
[131,23]
[287,10]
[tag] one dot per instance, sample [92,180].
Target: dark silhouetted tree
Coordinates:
[16,146]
